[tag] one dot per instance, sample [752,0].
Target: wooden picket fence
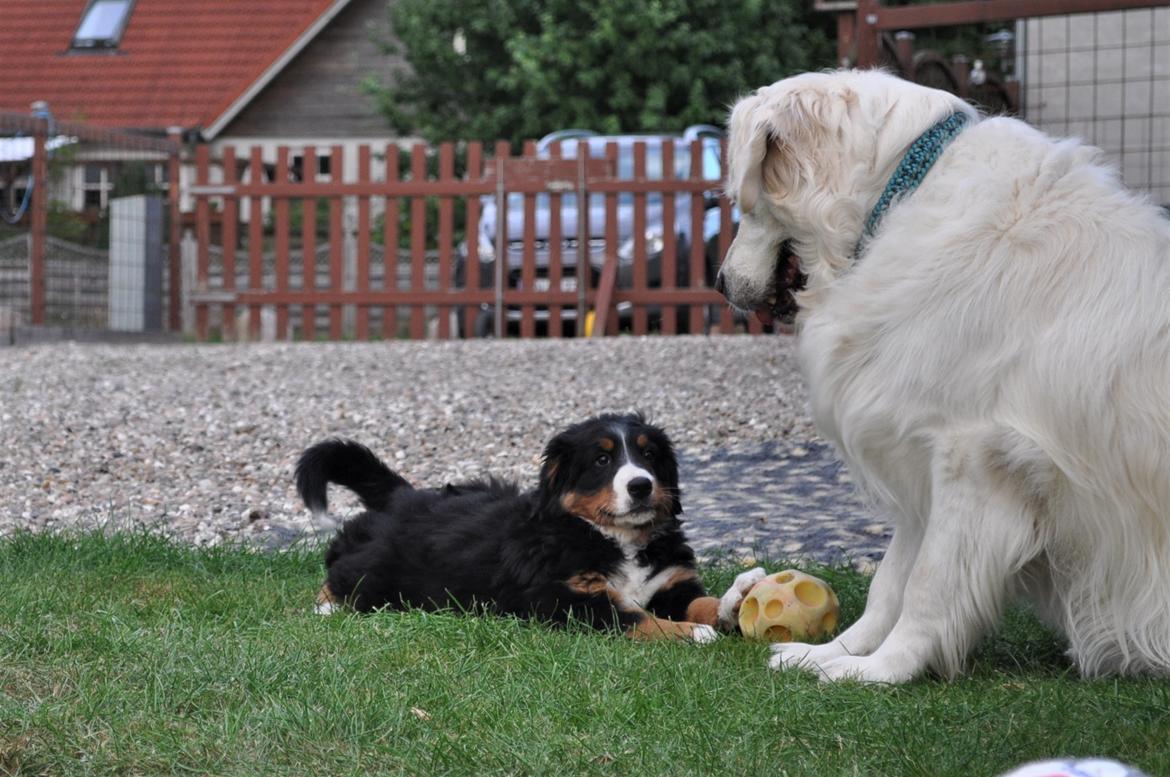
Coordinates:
[399,279]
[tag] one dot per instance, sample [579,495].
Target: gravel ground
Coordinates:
[200,441]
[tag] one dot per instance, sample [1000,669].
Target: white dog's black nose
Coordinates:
[719,284]
[640,488]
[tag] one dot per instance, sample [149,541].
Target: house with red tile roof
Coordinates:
[245,72]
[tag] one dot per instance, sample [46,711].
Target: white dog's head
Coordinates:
[808,159]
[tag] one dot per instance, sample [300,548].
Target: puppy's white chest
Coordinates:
[635,582]
[633,579]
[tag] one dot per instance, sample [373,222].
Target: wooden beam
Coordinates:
[977,11]
[38,221]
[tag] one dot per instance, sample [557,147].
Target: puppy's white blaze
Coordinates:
[621,481]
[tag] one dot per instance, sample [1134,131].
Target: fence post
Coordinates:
[846,32]
[584,255]
[502,151]
[39,217]
[174,230]
[867,34]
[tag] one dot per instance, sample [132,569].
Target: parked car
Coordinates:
[710,138]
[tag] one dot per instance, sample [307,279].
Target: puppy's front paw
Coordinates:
[327,603]
[703,634]
[729,603]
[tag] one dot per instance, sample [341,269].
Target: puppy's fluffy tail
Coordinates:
[348,464]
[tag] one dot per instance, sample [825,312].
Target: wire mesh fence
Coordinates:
[83,236]
[17,147]
[1104,77]
[1094,69]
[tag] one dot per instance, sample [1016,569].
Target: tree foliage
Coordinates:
[532,66]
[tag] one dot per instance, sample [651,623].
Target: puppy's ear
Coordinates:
[666,470]
[553,472]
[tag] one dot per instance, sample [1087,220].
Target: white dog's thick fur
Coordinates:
[994,367]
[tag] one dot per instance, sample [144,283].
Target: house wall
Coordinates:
[1104,78]
[319,93]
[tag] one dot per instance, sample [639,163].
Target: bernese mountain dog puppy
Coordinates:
[598,540]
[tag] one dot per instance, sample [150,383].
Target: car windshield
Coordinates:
[710,169]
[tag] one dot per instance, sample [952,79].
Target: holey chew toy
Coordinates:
[789,606]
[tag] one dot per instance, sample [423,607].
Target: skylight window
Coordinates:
[102,24]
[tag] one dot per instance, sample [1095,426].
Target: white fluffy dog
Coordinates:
[993,363]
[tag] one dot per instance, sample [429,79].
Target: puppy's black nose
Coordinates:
[640,488]
[719,284]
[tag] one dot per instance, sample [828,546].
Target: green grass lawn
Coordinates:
[130,654]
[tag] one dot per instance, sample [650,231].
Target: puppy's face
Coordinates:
[613,471]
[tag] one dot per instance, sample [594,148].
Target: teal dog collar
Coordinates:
[915,164]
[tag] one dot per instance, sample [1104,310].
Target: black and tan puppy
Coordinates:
[598,539]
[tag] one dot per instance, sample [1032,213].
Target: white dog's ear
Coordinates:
[777,137]
[749,139]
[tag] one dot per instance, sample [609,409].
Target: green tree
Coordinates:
[516,69]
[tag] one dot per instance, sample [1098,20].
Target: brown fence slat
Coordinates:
[418,245]
[446,235]
[336,242]
[363,244]
[698,270]
[555,242]
[174,229]
[390,243]
[585,293]
[281,207]
[255,242]
[639,238]
[669,273]
[471,279]
[309,243]
[231,210]
[500,282]
[528,266]
[605,321]
[726,317]
[203,237]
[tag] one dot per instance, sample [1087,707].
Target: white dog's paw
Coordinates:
[863,669]
[704,634]
[799,655]
[729,603]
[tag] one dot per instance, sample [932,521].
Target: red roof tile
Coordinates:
[179,63]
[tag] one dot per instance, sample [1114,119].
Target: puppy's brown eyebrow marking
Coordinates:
[642,441]
[606,444]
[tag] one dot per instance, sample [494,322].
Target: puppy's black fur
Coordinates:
[593,538]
